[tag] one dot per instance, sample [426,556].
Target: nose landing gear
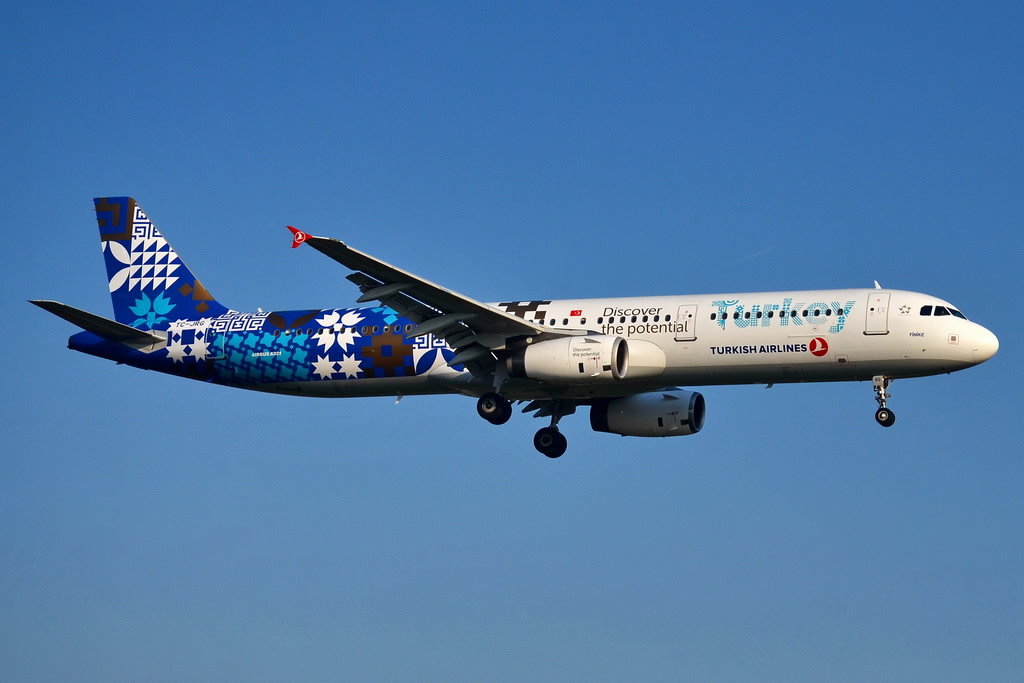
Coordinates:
[883,415]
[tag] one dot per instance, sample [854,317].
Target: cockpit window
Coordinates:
[942,310]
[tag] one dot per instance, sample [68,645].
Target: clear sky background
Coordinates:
[163,530]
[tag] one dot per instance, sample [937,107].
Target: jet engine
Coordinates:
[573,360]
[660,413]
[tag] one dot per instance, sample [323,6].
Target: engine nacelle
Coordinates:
[659,413]
[646,359]
[587,359]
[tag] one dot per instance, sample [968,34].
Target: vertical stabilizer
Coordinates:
[149,283]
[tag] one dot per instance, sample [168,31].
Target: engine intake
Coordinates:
[660,413]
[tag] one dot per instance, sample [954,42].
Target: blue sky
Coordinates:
[157,529]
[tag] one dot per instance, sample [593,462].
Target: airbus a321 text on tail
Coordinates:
[623,358]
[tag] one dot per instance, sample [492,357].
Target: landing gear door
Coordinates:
[686,323]
[877,320]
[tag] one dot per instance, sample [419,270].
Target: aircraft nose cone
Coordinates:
[985,345]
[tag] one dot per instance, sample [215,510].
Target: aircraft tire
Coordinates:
[885,417]
[494,408]
[550,442]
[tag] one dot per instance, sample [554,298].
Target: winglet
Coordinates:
[298,237]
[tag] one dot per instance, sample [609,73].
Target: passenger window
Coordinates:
[600,320]
[714,315]
[583,321]
[667,318]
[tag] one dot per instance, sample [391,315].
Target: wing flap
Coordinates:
[376,293]
[398,301]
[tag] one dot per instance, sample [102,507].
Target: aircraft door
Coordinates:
[216,344]
[877,319]
[686,323]
[215,354]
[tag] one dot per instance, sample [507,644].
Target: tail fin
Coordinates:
[149,283]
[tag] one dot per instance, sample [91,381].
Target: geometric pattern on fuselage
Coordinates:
[299,346]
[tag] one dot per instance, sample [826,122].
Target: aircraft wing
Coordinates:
[471,327]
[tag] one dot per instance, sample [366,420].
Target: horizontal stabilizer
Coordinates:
[106,328]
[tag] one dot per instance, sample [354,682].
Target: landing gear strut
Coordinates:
[883,415]
[548,440]
[497,410]
[494,408]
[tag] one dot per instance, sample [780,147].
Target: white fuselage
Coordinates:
[808,336]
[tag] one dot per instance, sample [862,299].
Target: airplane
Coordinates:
[624,358]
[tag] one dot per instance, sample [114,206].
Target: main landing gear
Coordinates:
[497,410]
[883,415]
[550,441]
[494,408]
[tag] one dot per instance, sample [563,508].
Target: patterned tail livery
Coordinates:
[149,283]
